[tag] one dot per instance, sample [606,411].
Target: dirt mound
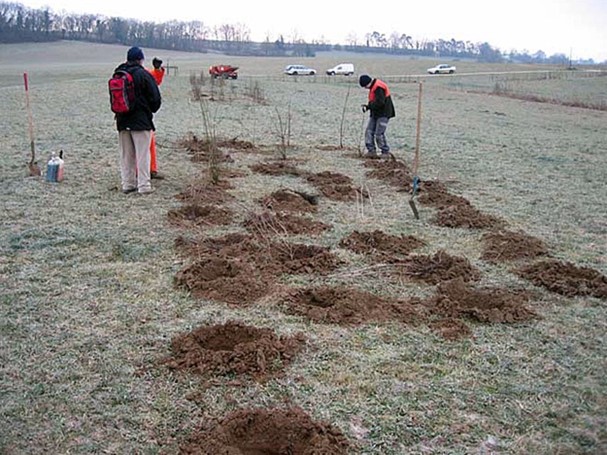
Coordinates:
[511,246]
[439,267]
[435,194]
[233,348]
[276,168]
[336,186]
[204,192]
[451,329]
[237,145]
[377,242]
[240,269]
[200,215]
[267,223]
[200,149]
[289,201]
[393,172]
[457,299]
[566,278]
[225,280]
[343,305]
[465,216]
[278,431]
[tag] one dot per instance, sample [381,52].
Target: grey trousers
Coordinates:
[135,160]
[376,134]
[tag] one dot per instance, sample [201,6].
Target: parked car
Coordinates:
[223,71]
[443,68]
[347,69]
[294,70]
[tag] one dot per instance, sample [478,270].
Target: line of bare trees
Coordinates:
[21,24]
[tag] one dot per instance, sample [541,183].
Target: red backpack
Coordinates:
[122,92]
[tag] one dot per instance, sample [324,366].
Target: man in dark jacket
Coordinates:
[135,127]
[381,110]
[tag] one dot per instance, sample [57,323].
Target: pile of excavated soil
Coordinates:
[201,150]
[200,215]
[565,278]
[457,299]
[393,172]
[277,168]
[451,329]
[336,186]
[233,349]
[438,268]
[204,192]
[278,431]
[435,194]
[380,244]
[344,305]
[504,246]
[239,269]
[289,201]
[268,223]
[465,216]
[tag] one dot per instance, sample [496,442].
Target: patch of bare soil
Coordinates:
[277,168]
[204,192]
[380,243]
[465,216]
[458,299]
[565,278]
[343,305]
[239,269]
[224,279]
[435,194]
[233,349]
[439,267]
[393,172]
[506,246]
[451,329]
[201,149]
[237,145]
[273,431]
[290,201]
[200,215]
[336,186]
[268,223]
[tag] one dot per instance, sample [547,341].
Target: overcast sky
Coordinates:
[571,27]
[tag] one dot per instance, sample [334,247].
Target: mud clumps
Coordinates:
[435,194]
[565,278]
[511,246]
[457,299]
[336,186]
[276,168]
[200,215]
[267,223]
[380,244]
[395,173]
[438,268]
[465,216]
[204,192]
[289,201]
[342,305]
[268,431]
[233,349]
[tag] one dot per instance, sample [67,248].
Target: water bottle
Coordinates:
[60,168]
[52,168]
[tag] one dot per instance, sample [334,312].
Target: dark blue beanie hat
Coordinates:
[134,54]
[364,80]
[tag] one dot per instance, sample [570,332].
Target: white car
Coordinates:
[443,68]
[347,69]
[294,70]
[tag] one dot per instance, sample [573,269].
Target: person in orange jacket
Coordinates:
[158,73]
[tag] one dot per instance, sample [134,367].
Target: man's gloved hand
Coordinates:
[364,107]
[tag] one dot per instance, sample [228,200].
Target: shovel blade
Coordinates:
[414,209]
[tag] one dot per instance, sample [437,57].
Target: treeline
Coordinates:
[21,24]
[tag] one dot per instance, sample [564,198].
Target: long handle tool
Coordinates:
[416,159]
[33,167]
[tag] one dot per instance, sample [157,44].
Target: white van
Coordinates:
[347,69]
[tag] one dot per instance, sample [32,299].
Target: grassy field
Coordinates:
[88,303]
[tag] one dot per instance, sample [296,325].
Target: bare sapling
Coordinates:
[210,138]
[343,118]
[284,132]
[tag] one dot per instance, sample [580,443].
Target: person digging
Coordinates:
[381,110]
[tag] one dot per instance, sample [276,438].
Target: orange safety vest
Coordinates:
[377,85]
[158,74]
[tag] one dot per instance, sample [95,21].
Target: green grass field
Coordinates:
[88,305]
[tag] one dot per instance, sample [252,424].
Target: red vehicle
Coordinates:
[223,71]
